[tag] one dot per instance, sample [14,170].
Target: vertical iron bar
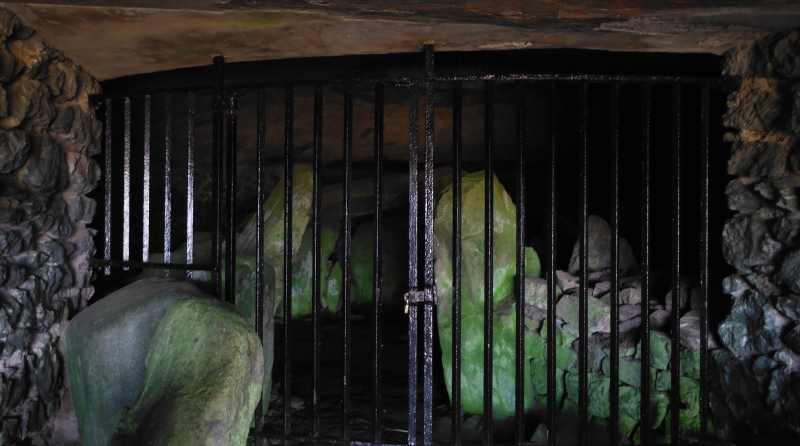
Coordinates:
[230,192]
[675,387]
[126,186]
[644,419]
[108,166]
[551,277]
[217,191]
[704,190]
[413,214]
[260,261]
[190,185]
[146,183]
[488,270]
[316,277]
[614,389]
[583,294]
[377,265]
[288,172]
[456,379]
[428,305]
[348,248]
[168,182]
[520,347]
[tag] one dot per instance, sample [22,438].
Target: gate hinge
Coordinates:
[428,295]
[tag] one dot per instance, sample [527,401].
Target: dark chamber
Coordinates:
[582,111]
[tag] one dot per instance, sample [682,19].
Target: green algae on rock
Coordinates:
[394,262]
[203,380]
[106,345]
[472,292]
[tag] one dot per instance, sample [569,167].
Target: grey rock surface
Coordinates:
[107,344]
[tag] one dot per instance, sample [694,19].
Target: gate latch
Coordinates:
[421,296]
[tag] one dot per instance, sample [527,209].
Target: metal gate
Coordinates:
[145,169]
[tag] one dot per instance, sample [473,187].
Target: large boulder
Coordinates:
[106,346]
[472,293]
[203,380]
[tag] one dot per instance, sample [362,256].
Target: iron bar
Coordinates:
[428,306]
[644,417]
[519,380]
[456,345]
[190,183]
[347,228]
[488,270]
[583,293]
[377,278]
[288,182]
[217,184]
[316,278]
[230,201]
[413,212]
[108,184]
[615,319]
[146,182]
[126,184]
[168,182]
[704,251]
[551,276]
[261,143]
[675,387]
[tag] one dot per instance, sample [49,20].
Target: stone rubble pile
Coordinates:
[566,338]
[48,133]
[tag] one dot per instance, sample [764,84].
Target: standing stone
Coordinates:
[203,380]
[106,346]
[472,287]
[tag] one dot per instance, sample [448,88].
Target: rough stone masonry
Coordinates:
[48,133]
[757,393]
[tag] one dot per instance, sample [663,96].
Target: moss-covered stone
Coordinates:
[394,262]
[598,390]
[302,272]
[660,350]
[472,296]
[246,304]
[302,185]
[106,346]
[599,313]
[203,380]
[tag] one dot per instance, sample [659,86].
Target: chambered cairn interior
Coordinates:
[75,331]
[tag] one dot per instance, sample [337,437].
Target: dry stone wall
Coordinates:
[757,394]
[48,134]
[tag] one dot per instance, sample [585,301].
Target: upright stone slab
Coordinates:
[106,347]
[472,296]
[203,381]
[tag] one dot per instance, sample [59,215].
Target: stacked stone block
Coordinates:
[48,133]
[757,387]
